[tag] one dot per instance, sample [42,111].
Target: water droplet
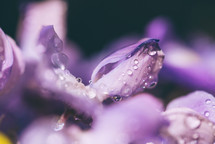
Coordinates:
[136,61]
[126,91]
[117,98]
[152,84]
[79,79]
[59,60]
[192,122]
[208,101]
[206,113]
[90,81]
[195,136]
[61,77]
[129,72]
[149,68]
[59,126]
[152,53]
[150,77]
[91,93]
[213,106]
[135,67]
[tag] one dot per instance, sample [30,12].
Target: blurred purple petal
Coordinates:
[199,101]
[11,63]
[42,132]
[187,126]
[37,15]
[136,119]
[125,71]
[159,28]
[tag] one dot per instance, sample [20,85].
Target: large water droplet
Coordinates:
[129,72]
[193,122]
[208,101]
[59,60]
[206,113]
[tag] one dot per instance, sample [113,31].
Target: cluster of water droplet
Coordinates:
[189,127]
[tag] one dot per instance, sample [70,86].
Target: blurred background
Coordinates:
[94,24]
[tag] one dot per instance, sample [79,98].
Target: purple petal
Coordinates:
[11,63]
[199,101]
[42,132]
[159,28]
[136,119]
[125,71]
[187,126]
[37,15]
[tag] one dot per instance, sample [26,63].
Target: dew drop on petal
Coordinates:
[59,126]
[79,79]
[208,101]
[152,53]
[135,67]
[129,72]
[59,60]
[152,84]
[117,98]
[192,122]
[206,113]
[195,136]
[136,61]
[126,91]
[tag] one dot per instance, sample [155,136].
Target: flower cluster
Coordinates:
[37,82]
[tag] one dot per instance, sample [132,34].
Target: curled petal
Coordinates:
[11,63]
[125,71]
[199,101]
[136,119]
[37,15]
[187,126]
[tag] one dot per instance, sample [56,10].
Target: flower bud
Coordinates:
[124,72]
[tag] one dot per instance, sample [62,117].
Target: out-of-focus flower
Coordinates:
[11,63]
[4,139]
[190,65]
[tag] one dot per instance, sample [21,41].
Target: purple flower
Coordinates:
[135,117]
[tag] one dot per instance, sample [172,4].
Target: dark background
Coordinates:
[92,24]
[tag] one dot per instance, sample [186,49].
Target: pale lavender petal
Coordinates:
[187,126]
[136,119]
[199,101]
[11,63]
[124,72]
[188,67]
[42,131]
[37,15]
